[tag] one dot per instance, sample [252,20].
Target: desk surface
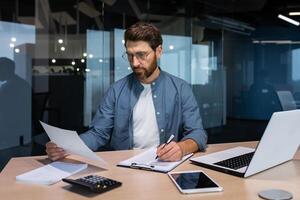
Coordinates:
[140,184]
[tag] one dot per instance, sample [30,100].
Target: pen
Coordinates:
[169,140]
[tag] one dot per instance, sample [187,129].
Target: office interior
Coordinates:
[241,58]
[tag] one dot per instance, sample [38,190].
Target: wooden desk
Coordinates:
[140,184]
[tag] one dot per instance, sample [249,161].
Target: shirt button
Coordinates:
[158,113]
[162,130]
[153,83]
[154,96]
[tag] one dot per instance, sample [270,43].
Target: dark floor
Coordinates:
[234,131]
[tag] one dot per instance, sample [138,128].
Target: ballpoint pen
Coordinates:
[169,140]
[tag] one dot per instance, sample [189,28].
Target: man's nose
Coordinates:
[135,61]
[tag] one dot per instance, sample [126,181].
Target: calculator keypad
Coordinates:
[95,183]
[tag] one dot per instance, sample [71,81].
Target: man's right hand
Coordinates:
[54,152]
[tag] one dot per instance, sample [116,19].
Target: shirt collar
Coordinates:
[159,79]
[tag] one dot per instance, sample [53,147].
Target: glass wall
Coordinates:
[59,58]
[97,79]
[15,83]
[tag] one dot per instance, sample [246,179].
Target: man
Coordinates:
[146,107]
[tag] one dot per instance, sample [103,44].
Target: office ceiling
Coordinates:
[99,14]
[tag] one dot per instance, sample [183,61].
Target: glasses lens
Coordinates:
[141,56]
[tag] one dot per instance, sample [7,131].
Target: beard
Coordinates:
[144,73]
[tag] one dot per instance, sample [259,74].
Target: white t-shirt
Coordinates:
[145,129]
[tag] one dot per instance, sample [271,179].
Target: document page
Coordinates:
[71,143]
[51,173]
[147,160]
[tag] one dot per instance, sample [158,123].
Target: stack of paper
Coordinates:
[51,173]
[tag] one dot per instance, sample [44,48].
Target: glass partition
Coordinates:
[97,72]
[240,59]
[15,89]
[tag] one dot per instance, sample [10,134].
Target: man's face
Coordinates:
[142,58]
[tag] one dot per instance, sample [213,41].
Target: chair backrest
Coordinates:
[286,100]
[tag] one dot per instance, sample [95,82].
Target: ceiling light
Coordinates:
[294,13]
[84,54]
[73,63]
[62,48]
[171,47]
[276,42]
[231,23]
[17,50]
[11,45]
[60,41]
[100,60]
[82,60]
[87,70]
[91,55]
[53,60]
[288,20]
[77,69]
[13,39]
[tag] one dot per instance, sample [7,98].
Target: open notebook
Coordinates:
[51,173]
[147,161]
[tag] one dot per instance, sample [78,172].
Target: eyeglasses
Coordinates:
[140,56]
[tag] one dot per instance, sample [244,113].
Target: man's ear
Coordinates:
[158,51]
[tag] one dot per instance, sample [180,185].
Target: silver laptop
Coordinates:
[278,144]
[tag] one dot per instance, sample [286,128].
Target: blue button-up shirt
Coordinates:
[175,106]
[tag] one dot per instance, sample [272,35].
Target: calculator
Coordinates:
[94,183]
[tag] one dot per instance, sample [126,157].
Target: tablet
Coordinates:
[194,182]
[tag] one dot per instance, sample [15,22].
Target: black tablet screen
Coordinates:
[193,180]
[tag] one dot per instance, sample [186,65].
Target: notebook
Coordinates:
[51,173]
[147,161]
[278,144]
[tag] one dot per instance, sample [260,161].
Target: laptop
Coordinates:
[278,144]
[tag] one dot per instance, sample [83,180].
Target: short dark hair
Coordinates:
[143,31]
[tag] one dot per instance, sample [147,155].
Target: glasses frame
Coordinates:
[140,56]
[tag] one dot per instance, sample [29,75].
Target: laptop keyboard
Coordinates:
[236,162]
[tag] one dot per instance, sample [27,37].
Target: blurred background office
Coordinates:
[242,59]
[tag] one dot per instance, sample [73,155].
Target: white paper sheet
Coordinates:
[71,143]
[51,173]
[147,160]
